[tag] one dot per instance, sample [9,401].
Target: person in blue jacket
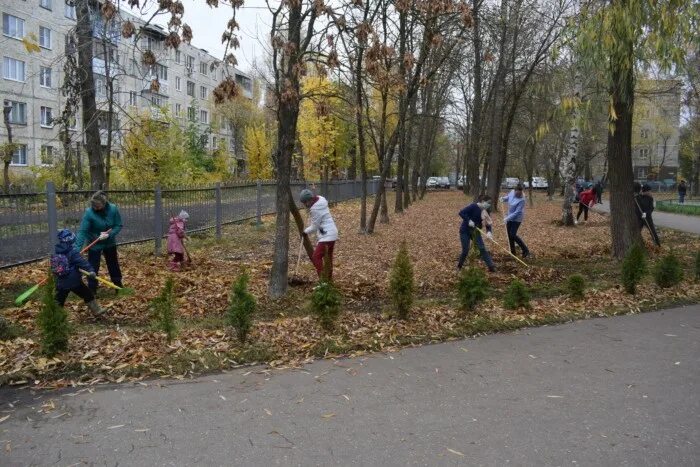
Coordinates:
[516,213]
[97,221]
[471,220]
[66,264]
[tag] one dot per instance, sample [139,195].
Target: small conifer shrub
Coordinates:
[53,322]
[472,288]
[668,272]
[401,284]
[576,285]
[241,307]
[634,267]
[163,307]
[517,295]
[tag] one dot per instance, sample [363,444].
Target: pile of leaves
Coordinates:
[127,347]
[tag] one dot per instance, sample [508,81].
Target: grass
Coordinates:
[673,207]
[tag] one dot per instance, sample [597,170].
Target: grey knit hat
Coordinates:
[305,195]
[98,199]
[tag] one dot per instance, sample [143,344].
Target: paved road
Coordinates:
[690,224]
[619,391]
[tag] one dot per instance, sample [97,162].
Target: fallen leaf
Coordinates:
[328,415]
[455,452]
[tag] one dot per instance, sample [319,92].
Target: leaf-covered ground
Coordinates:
[126,346]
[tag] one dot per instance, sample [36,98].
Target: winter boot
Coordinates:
[95,308]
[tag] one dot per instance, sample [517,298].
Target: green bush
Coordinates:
[697,266]
[517,295]
[472,287]
[9,331]
[241,307]
[576,285]
[325,304]
[52,321]
[163,307]
[634,267]
[401,282]
[668,271]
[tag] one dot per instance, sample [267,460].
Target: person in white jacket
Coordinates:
[326,231]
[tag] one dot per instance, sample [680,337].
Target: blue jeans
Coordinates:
[681,198]
[512,228]
[465,238]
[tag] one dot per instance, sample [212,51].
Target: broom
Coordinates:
[295,280]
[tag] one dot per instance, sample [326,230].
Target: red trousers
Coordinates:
[319,253]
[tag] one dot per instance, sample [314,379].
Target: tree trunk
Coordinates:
[7,157]
[84,31]
[624,227]
[472,183]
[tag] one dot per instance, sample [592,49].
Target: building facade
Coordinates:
[180,82]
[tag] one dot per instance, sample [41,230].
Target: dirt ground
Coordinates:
[127,346]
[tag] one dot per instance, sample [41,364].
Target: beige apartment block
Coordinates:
[31,81]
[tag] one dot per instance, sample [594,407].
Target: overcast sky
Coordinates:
[209,23]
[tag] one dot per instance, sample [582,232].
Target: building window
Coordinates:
[100,87]
[204,116]
[45,77]
[46,117]
[178,110]
[45,37]
[202,92]
[177,83]
[19,157]
[162,72]
[641,173]
[178,56]
[189,63]
[12,26]
[644,134]
[69,10]
[213,142]
[644,153]
[18,114]
[190,114]
[133,98]
[203,68]
[47,155]
[45,4]
[190,88]
[13,69]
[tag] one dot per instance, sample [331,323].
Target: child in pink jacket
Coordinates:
[176,235]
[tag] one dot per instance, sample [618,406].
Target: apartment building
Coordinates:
[31,81]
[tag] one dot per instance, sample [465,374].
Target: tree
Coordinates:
[318,130]
[258,149]
[614,38]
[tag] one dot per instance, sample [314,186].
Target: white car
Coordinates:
[538,183]
[511,182]
[432,182]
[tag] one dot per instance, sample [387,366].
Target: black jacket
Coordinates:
[645,203]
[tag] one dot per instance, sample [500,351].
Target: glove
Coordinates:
[471,223]
[92,275]
[103,236]
[644,215]
[489,235]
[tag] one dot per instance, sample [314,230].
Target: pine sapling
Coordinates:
[634,267]
[668,272]
[325,304]
[401,282]
[241,307]
[163,307]
[517,295]
[52,321]
[697,266]
[576,285]
[472,287]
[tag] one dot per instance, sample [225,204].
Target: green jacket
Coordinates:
[96,222]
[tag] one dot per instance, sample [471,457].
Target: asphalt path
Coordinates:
[616,391]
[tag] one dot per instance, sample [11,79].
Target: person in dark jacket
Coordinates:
[66,264]
[471,220]
[644,206]
[598,190]
[101,220]
[682,190]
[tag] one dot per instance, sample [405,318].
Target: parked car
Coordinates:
[443,182]
[510,182]
[432,182]
[460,182]
[538,183]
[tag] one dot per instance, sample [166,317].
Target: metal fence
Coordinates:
[27,219]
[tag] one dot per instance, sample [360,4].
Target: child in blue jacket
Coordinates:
[66,264]
[471,220]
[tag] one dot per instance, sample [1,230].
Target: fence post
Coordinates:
[218,211]
[258,204]
[52,215]
[158,219]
